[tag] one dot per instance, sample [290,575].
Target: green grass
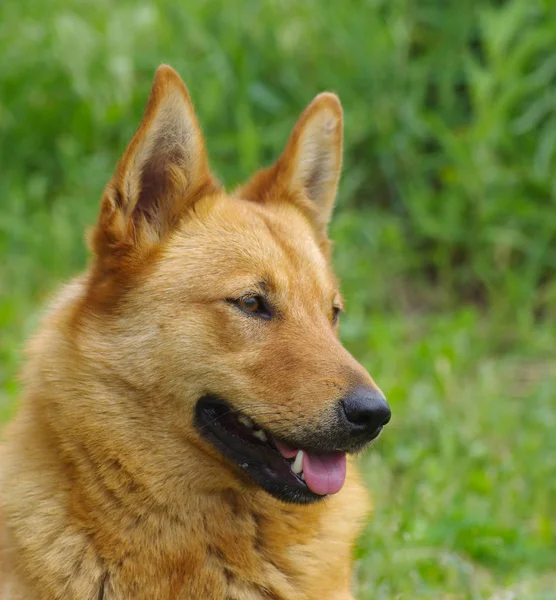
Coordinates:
[464,477]
[445,234]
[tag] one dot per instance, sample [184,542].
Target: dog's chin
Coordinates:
[267,461]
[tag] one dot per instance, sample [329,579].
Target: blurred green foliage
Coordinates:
[446,231]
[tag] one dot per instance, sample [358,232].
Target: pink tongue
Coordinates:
[324,473]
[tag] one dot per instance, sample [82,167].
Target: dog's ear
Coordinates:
[162,172]
[308,170]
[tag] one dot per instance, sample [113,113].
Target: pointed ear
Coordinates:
[163,170]
[309,169]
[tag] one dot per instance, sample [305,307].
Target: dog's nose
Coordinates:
[366,410]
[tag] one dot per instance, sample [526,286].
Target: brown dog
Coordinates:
[188,405]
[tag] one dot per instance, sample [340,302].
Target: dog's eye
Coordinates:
[253,305]
[336,310]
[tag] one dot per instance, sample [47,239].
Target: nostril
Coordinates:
[355,411]
[366,408]
[387,416]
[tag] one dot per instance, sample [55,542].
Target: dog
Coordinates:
[189,415]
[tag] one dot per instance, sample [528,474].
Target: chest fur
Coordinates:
[232,551]
[228,551]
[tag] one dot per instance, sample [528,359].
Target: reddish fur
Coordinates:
[108,491]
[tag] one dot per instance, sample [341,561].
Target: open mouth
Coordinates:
[288,473]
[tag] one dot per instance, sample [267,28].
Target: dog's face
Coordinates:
[226,305]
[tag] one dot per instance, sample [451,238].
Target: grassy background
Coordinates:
[446,231]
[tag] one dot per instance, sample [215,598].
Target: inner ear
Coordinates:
[163,174]
[313,156]
[308,171]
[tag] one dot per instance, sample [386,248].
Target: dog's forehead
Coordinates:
[229,236]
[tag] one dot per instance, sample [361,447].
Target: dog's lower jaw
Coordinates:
[225,544]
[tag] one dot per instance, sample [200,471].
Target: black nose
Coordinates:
[366,410]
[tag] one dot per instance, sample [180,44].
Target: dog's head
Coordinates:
[225,305]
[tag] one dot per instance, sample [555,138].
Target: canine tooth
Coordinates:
[297,465]
[302,475]
[246,421]
[260,434]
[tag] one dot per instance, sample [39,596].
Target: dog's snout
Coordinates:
[366,410]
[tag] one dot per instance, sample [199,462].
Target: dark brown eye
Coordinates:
[336,310]
[253,305]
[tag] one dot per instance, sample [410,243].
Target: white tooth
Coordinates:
[260,434]
[246,421]
[297,465]
[302,475]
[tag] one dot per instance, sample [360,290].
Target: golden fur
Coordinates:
[107,490]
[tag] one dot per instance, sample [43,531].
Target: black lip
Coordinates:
[216,421]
